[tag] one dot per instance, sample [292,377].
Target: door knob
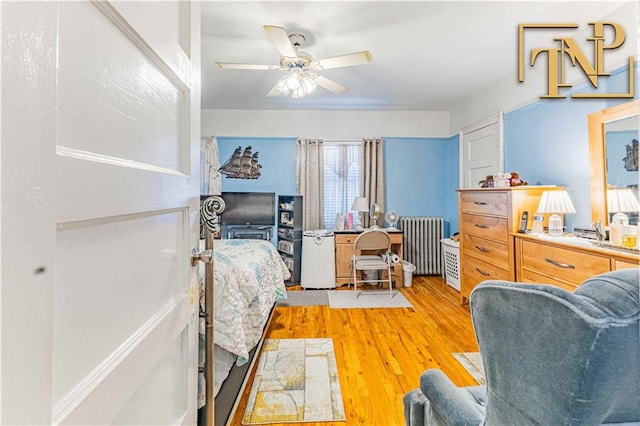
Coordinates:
[204,256]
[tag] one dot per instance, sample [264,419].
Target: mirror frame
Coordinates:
[597,154]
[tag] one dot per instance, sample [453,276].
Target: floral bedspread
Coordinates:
[248,279]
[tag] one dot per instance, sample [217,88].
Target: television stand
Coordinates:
[250,232]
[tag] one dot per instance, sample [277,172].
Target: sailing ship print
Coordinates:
[242,164]
[631,160]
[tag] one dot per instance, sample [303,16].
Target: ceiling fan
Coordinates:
[302,77]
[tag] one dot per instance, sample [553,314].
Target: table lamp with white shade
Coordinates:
[360,204]
[621,201]
[555,202]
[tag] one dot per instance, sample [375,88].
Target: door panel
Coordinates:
[100,145]
[112,303]
[481,154]
[168,33]
[163,394]
[122,94]
[481,151]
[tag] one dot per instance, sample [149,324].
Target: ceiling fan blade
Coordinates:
[230,66]
[330,85]
[274,92]
[280,38]
[351,59]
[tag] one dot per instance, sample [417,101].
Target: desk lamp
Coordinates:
[360,204]
[555,202]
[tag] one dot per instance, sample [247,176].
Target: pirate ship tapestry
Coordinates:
[242,164]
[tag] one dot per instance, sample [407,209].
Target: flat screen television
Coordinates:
[249,208]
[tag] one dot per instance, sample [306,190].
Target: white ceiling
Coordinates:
[427,55]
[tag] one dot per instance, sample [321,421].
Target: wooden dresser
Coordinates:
[487,218]
[344,250]
[565,262]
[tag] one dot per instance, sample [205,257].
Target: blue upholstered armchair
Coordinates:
[551,357]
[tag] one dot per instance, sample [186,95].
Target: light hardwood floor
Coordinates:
[382,352]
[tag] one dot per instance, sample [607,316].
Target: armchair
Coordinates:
[551,357]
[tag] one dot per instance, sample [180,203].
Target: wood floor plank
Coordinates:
[381,353]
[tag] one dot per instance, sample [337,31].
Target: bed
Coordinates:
[248,280]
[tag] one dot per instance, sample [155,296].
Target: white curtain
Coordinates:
[372,176]
[310,181]
[210,177]
[341,180]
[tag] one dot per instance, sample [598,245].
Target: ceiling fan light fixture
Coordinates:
[297,83]
[298,93]
[307,83]
[293,80]
[300,80]
[282,85]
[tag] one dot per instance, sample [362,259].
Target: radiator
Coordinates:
[422,237]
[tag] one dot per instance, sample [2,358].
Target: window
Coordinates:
[341,179]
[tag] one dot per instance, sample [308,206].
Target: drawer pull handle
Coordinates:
[559,264]
[477,225]
[481,203]
[486,274]
[483,249]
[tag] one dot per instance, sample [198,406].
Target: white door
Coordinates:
[99,180]
[481,151]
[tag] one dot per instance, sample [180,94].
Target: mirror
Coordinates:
[607,166]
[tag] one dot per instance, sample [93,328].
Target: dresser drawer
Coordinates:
[621,264]
[493,228]
[533,278]
[345,238]
[490,203]
[480,270]
[563,264]
[487,250]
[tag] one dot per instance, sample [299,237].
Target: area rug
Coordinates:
[296,381]
[472,362]
[341,299]
[305,298]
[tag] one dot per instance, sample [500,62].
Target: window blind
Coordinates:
[341,179]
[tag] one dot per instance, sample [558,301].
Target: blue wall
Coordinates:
[421,173]
[278,159]
[414,172]
[545,142]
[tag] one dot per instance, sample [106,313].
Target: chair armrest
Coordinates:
[414,407]
[453,405]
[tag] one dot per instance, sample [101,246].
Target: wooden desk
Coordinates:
[344,250]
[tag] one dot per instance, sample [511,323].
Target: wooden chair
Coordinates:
[372,252]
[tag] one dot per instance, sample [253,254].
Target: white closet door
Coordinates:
[99,174]
[481,151]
